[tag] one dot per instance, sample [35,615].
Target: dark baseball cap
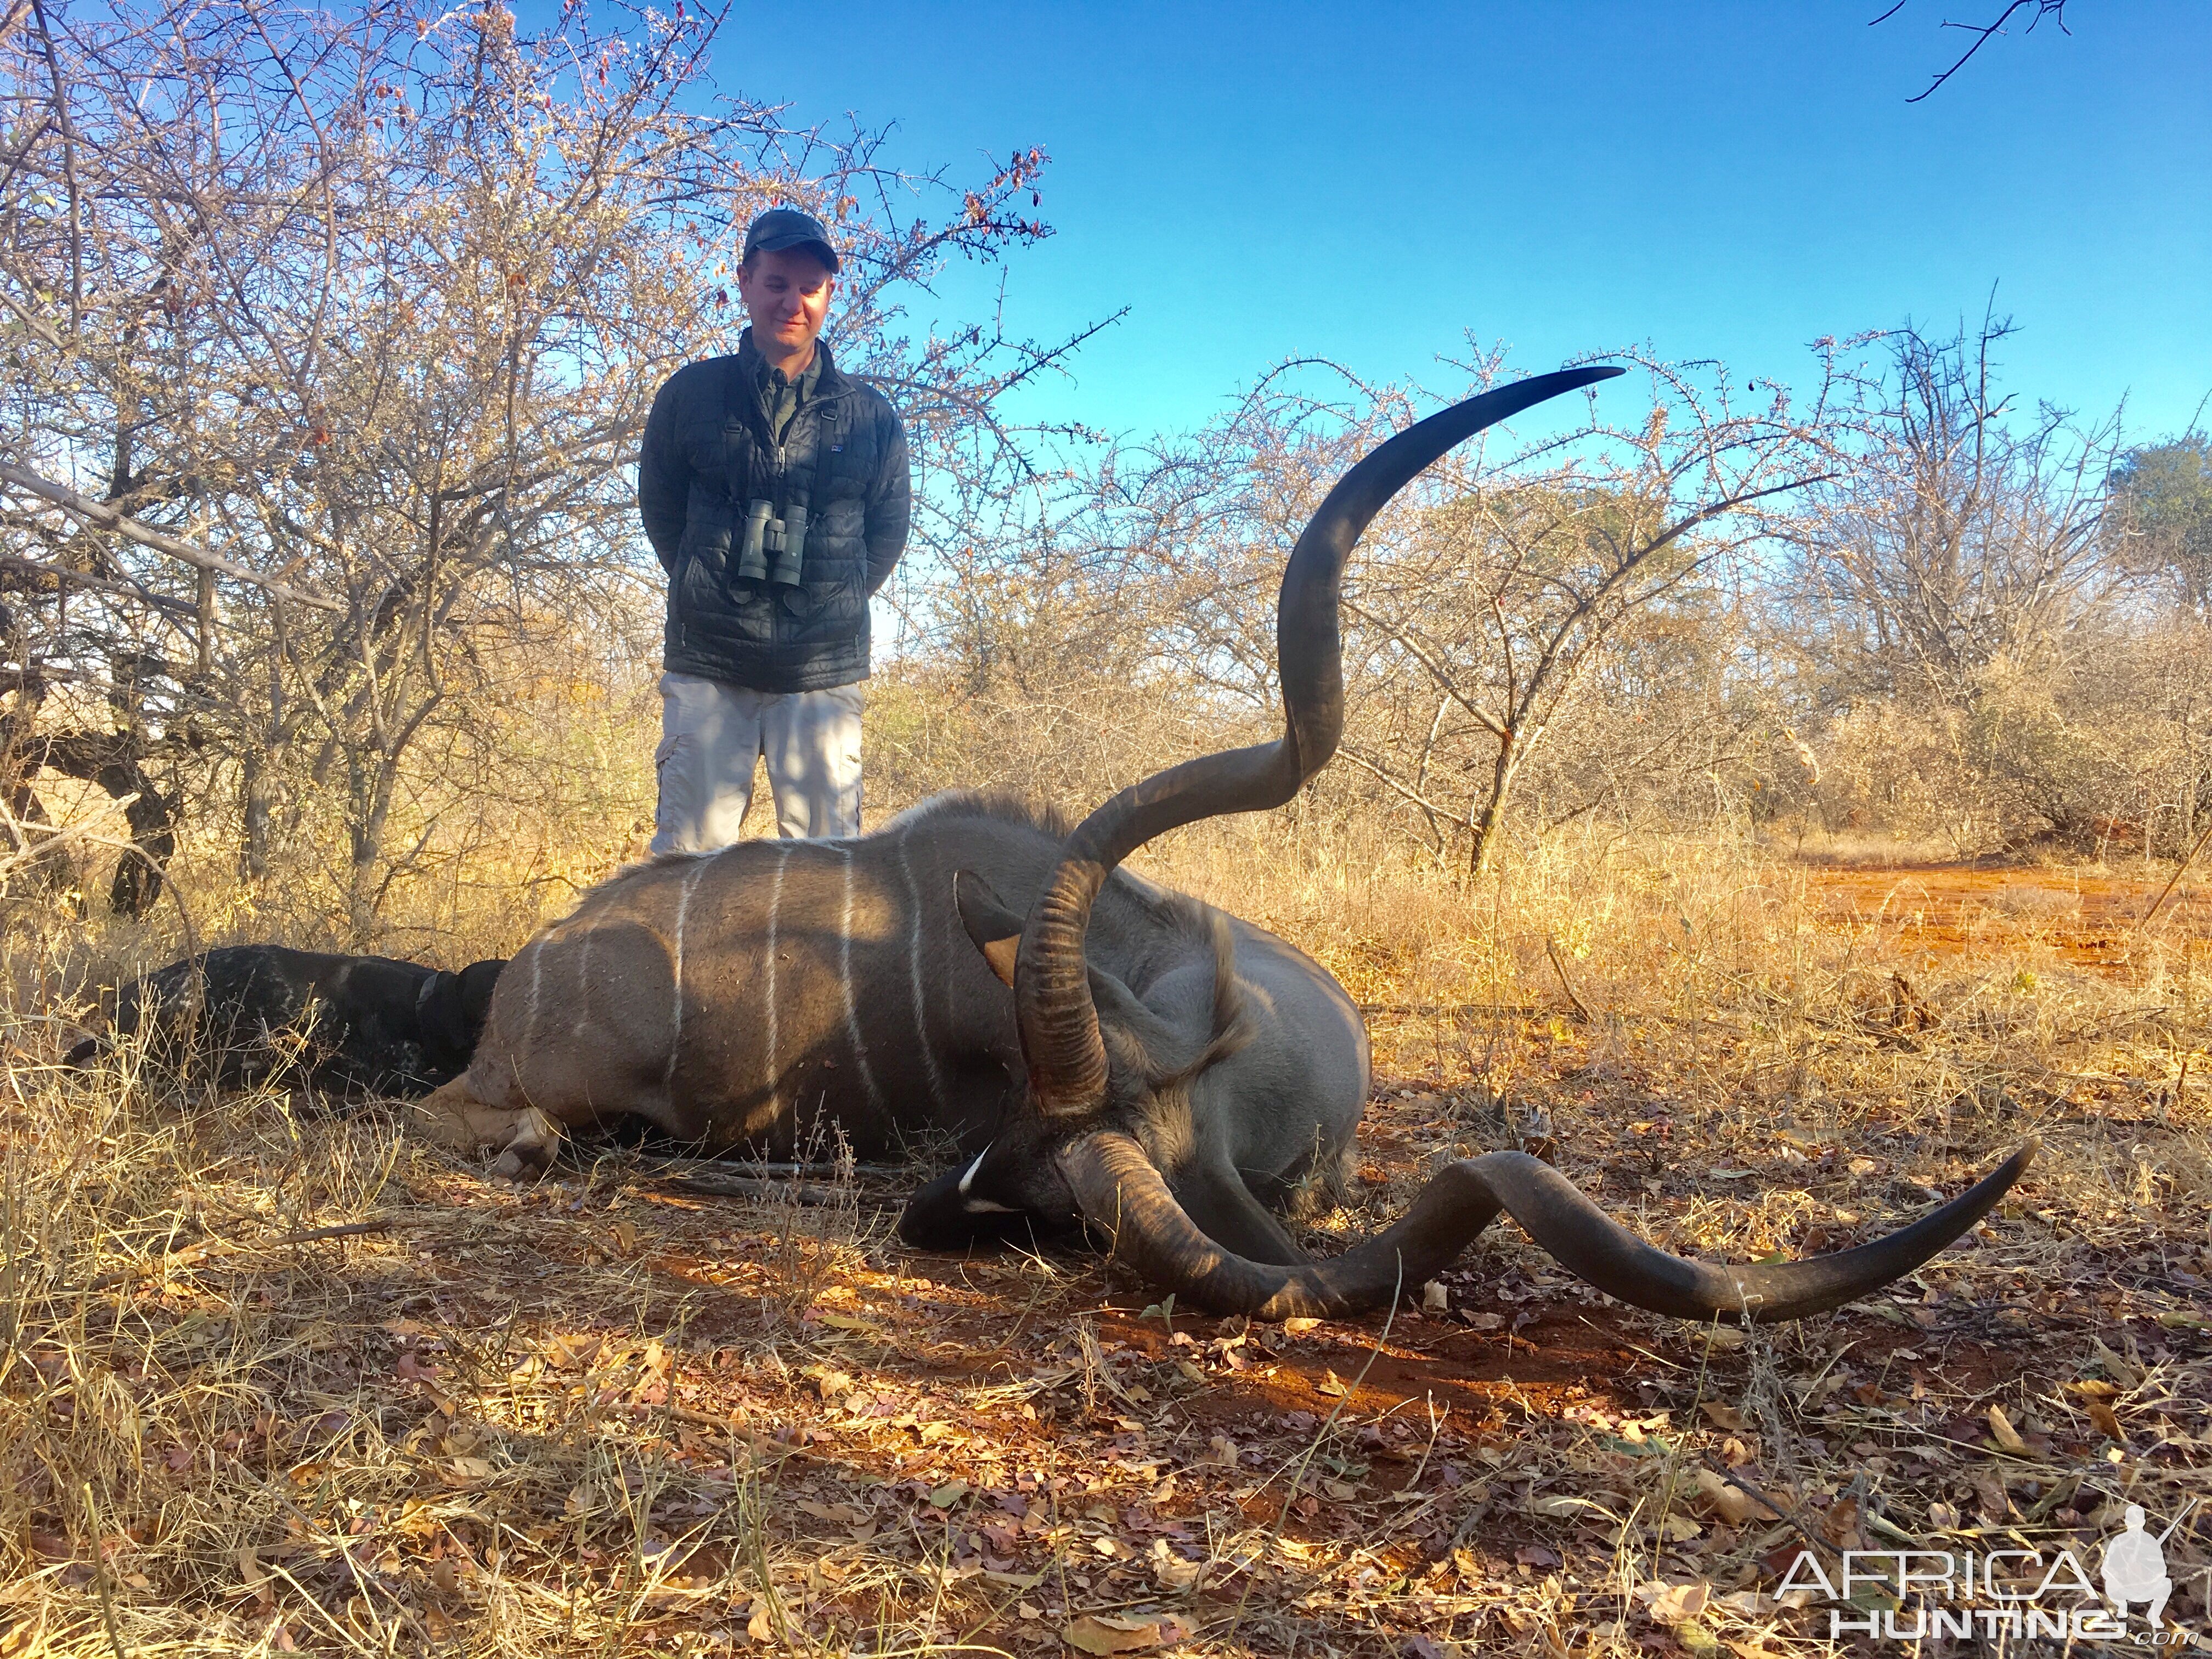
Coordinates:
[782,227]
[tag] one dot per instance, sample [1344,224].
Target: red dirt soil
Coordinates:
[2087,921]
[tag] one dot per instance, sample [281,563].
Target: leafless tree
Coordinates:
[1981,33]
[1489,619]
[1482,610]
[331,337]
[1954,574]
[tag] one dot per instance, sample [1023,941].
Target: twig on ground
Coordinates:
[211,1248]
[811,1193]
[2180,869]
[716,1167]
[1558,967]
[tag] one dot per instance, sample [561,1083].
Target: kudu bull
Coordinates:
[1104,1053]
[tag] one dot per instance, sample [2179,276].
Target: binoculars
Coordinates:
[785,538]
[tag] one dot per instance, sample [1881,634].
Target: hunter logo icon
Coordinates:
[2134,1567]
[2019,1594]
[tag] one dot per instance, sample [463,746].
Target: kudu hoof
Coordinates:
[528,1154]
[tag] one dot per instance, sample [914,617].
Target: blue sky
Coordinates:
[1370,183]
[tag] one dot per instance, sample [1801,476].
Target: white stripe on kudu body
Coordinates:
[845,974]
[676,1015]
[537,970]
[914,977]
[775,906]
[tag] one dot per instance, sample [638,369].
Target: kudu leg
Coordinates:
[525,1138]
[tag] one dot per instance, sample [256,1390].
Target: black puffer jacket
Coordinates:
[706,452]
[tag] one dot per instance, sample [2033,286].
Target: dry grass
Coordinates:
[601,1414]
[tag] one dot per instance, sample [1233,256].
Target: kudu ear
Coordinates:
[438,1011]
[478,980]
[996,930]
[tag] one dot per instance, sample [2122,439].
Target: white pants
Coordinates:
[710,735]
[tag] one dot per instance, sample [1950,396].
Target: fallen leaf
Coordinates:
[2127,1373]
[1098,1633]
[1990,1493]
[1674,1604]
[625,1237]
[20,1640]
[950,1492]
[573,1352]
[1299,1325]
[1175,1573]
[1840,1525]
[1332,1385]
[1724,1416]
[760,1629]
[1559,1504]
[1435,1299]
[2001,1431]
[1731,1502]
[2108,1424]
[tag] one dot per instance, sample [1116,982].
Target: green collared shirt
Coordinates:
[780,399]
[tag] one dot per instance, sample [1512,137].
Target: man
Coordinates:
[775,491]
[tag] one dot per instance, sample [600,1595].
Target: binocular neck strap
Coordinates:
[814,484]
[763,479]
